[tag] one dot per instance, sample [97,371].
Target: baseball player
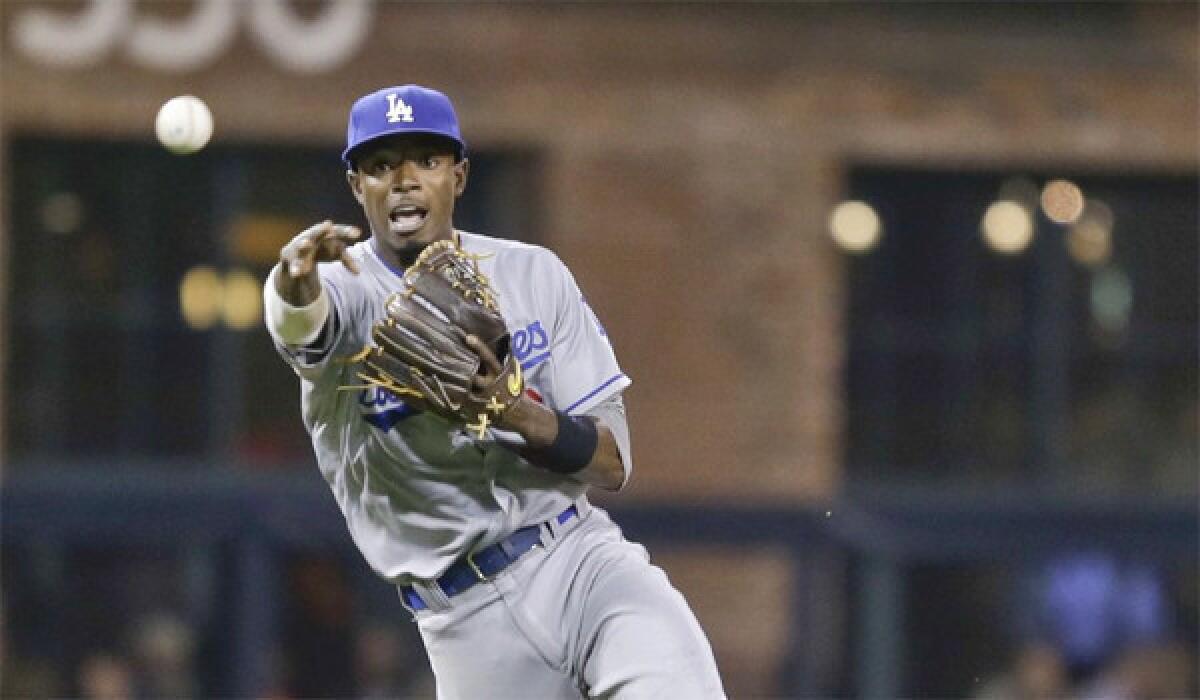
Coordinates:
[519,586]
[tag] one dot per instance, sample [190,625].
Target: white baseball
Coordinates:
[184,124]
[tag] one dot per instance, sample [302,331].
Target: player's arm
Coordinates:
[297,305]
[583,446]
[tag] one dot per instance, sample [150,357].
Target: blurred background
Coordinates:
[908,292]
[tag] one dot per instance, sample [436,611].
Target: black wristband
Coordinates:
[573,446]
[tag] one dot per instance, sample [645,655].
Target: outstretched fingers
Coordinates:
[340,238]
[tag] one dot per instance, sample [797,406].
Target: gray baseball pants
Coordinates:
[584,616]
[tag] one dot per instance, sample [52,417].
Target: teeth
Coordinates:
[406,219]
[406,211]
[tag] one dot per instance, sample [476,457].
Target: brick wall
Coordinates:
[691,153]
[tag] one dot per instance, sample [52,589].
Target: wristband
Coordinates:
[573,446]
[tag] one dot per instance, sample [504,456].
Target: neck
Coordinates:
[402,258]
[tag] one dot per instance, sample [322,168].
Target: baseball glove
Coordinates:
[419,350]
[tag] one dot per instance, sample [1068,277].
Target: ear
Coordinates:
[461,169]
[355,185]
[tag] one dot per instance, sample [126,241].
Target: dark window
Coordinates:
[103,362]
[1052,364]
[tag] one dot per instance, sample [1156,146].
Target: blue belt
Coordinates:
[486,563]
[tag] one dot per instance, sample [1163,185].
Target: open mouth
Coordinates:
[407,218]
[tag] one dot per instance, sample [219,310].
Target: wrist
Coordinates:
[534,422]
[572,448]
[296,291]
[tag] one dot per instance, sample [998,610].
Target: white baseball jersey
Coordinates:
[418,491]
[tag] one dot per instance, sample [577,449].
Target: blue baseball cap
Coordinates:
[405,109]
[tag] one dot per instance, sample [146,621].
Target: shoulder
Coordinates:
[479,243]
[513,255]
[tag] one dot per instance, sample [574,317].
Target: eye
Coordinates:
[380,167]
[430,161]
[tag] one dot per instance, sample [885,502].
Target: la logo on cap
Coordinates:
[397,110]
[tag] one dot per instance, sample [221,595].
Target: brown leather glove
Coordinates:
[420,349]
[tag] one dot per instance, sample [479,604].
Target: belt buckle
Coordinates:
[475,568]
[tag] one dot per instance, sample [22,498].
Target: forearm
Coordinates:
[294,312]
[539,426]
[605,470]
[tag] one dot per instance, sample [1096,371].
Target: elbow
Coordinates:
[610,465]
[613,477]
[606,474]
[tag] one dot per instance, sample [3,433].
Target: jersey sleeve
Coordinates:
[342,334]
[584,367]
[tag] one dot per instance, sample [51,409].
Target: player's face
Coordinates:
[407,186]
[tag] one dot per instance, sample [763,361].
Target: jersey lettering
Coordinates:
[530,340]
[382,408]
